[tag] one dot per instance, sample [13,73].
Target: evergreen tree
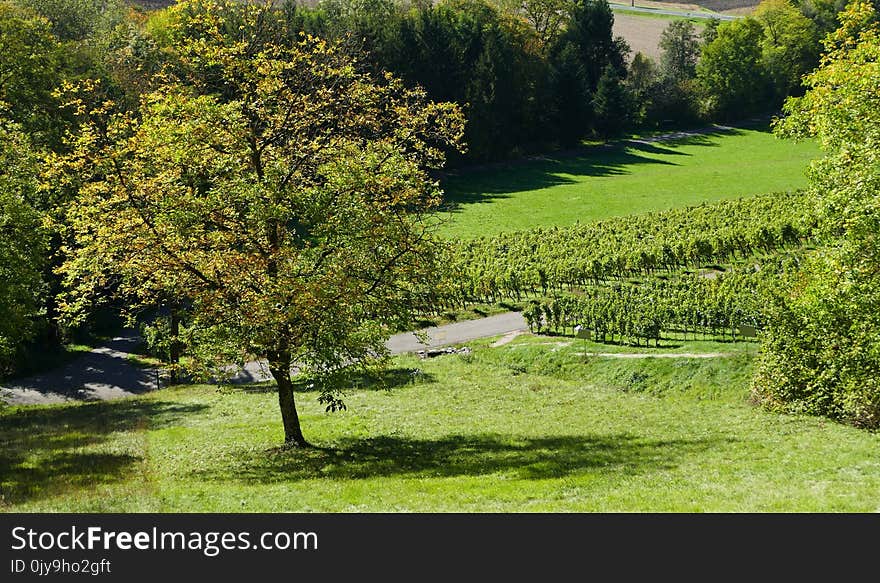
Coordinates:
[611,103]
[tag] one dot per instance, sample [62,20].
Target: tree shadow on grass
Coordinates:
[54,450]
[103,373]
[707,137]
[489,185]
[463,455]
[498,181]
[392,378]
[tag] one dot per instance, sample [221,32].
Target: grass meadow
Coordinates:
[534,425]
[622,178]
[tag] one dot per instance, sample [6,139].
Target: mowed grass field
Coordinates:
[622,178]
[533,425]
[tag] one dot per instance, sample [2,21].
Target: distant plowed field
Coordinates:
[642,33]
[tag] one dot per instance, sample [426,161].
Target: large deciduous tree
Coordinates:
[274,190]
[790,47]
[730,72]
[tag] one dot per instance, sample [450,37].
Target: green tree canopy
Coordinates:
[22,244]
[77,20]
[731,72]
[790,46]
[612,103]
[680,45]
[548,18]
[29,71]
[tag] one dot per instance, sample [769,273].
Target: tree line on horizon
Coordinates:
[538,74]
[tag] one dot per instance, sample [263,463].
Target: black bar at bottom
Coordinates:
[221,547]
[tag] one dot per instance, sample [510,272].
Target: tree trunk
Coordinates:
[280,370]
[176,347]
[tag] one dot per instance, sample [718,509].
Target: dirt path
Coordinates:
[617,7]
[507,338]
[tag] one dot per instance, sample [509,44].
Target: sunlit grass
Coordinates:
[616,180]
[529,426]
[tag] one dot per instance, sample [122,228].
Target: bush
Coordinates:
[819,355]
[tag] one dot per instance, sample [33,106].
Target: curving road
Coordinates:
[107,373]
[458,332]
[436,336]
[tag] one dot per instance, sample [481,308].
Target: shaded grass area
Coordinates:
[41,359]
[529,426]
[622,178]
[54,450]
[467,455]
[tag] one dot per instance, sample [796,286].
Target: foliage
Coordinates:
[641,75]
[468,51]
[822,353]
[30,64]
[755,62]
[790,46]
[22,245]
[544,260]
[729,306]
[578,61]
[674,97]
[254,185]
[612,103]
[130,58]
[679,51]
[824,13]
[570,92]
[77,20]
[710,31]
[590,34]
[547,17]
[731,73]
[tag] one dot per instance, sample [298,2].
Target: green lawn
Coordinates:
[604,181]
[529,426]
